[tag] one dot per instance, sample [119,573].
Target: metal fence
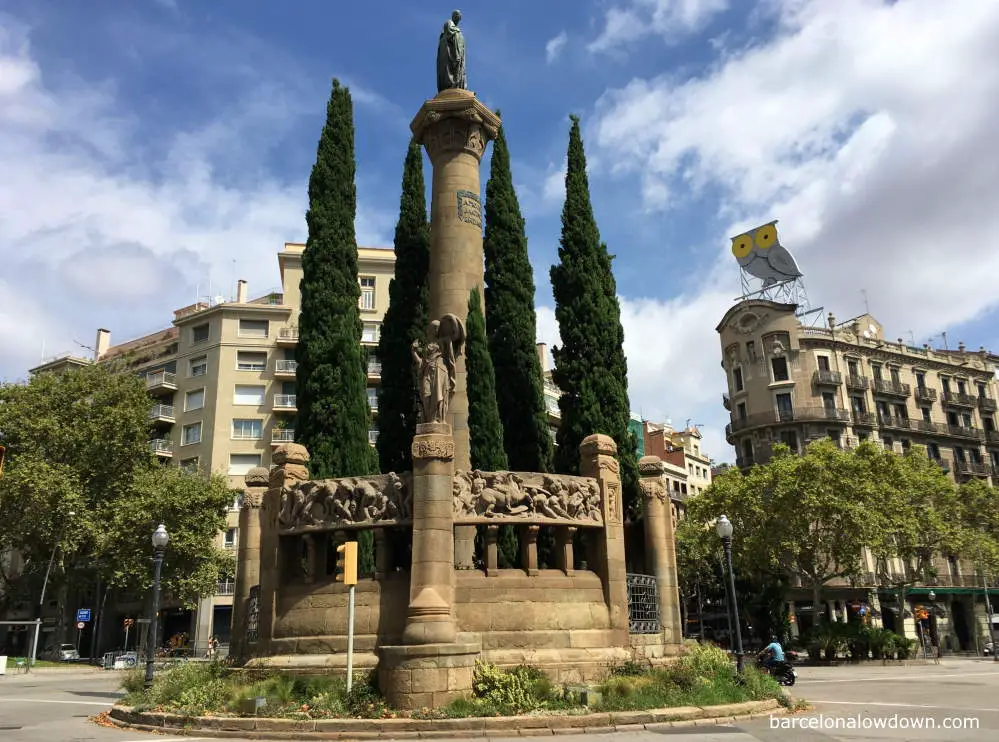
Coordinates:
[643,604]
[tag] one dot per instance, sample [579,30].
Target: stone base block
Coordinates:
[317,664]
[426,675]
[563,665]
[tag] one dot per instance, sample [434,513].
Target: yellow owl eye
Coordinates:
[766,236]
[741,245]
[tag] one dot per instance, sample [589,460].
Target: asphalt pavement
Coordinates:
[955,701]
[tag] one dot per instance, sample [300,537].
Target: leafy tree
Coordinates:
[484,428]
[978,509]
[512,321]
[405,320]
[333,414]
[78,443]
[590,366]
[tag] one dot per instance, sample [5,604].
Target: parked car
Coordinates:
[68,653]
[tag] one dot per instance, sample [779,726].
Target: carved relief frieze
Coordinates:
[653,488]
[526,497]
[433,448]
[469,208]
[327,504]
[455,131]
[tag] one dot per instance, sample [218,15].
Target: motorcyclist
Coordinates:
[772,654]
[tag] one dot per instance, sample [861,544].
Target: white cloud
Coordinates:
[553,183]
[671,19]
[104,227]
[555,46]
[867,128]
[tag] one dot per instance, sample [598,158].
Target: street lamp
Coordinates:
[160,540]
[45,584]
[724,530]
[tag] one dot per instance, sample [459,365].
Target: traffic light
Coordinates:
[346,563]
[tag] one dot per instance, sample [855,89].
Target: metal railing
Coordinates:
[225,587]
[894,421]
[801,414]
[992,436]
[643,604]
[959,431]
[825,376]
[894,388]
[987,403]
[285,401]
[161,446]
[283,435]
[958,398]
[288,333]
[285,367]
[161,411]
[857,382]
[925,394]
[161,378]
[974,468]
[374,368]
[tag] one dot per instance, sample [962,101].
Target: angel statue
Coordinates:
[436,366]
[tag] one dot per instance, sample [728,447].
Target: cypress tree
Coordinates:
[405,320]
[590,366]
[512,321]
[484,428]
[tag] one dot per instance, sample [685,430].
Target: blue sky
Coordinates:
[145,146]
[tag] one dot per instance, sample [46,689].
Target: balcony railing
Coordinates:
[161,446]
[960,431]
[857,382]
[162,412]
[828,378]
[992,436]
[374,368]
[865,419]
[958,399]
[801,414]
[726,401]
[372,437]
[225,587]
[987,403]
[282,435]
[894,421]
[925,394]
[931,428]
[891,388]
[288,335]
[285,401]
[161,380]
[974,468]
[285,367]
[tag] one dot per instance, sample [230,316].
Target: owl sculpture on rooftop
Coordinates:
[761,255]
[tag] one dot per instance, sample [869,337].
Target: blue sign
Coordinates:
[83,614]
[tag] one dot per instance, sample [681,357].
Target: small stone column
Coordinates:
[660,545]
[289,468]
[247,556]
[597,460]
[454,127]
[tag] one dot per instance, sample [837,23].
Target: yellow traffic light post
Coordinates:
[346,572]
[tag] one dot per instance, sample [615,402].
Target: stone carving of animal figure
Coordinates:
[400,496]
[502,494]
[464,498]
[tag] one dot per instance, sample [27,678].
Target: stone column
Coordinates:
[454,128]
[660,544]
[289,468]
[597,460]
[247,555]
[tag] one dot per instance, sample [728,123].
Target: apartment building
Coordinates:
[792,383]
[222,378]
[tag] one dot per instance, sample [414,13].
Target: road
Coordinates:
[53,706]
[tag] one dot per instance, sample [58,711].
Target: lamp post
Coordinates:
[724,530]
[41,599]
[160,540]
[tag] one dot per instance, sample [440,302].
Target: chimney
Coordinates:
[543,356]
[960,346]
[102,344]
[831,319]
[241,291]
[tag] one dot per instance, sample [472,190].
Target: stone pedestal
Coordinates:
[247,556]
[426,675]
[660,545]
[454,128]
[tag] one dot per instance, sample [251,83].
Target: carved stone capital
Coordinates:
[258,476]
[433,447]
[598,445]
[653,488]
[455,121]
[651,466]
[290,453]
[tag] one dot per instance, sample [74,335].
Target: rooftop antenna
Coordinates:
[867,305]
[232,296]
[86,347]
[912,337]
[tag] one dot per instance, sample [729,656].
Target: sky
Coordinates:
[154,151]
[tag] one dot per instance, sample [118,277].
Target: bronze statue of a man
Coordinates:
[451,56]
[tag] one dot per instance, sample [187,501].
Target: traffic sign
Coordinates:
[80,625]
[83,615]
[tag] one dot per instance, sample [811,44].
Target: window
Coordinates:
[253,328]
[194,400]
[983,390]
[191,434]
[945,383]
[241,463]
[373,436]
[370,333]
[966,420]
[876,371]
[751,350]
[785,410]
[190,465]
[741,409]
[888,441]
[823,363]
[858,404]
[230,538]
[790,439]
[737,379]
[245,394]
[199,333]
[779,365]
[893,373]
[251,360]
[962,388]
[367,293]
[247,430]
[372,398]
[901,412]
[906,445]
[988,423]
[852,368]
[198,366]
[920,380]
[829,400]
[237,501]
[926,414]
[933,450]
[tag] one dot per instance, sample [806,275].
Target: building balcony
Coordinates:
[959,431]
[161,381]
[973,468]
[286,402]
[372,437]
[287,337]
[930,428]
[161,447]
[225,587]
[957,399]
[865,419]
[925,394]
[992,436]
[280,436]
[828,378]
[374,369]
[987,404]
[726,401]
[162,413]
[891,388]
[941,462]
[801,414]
[857,382]
[285,369]
[896,422]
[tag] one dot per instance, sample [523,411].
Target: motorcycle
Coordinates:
[782,672]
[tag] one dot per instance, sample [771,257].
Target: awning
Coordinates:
[922,591]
